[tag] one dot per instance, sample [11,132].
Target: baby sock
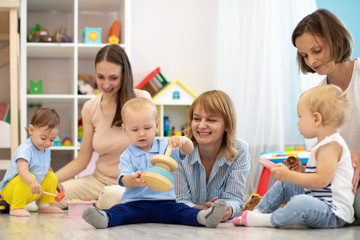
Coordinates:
[95,217]
[212,216]
[237,221]
[256,219]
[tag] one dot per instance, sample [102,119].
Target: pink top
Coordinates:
[108,142]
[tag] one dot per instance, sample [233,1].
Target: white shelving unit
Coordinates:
[9,68]
[58,64]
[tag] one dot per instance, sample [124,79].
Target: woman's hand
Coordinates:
[60,187]
[355,159]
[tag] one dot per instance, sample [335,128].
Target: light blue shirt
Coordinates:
[226,180]
[134,159]
[39,162]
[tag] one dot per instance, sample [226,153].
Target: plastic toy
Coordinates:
[84,88]
[91,35]
[75,208]
[279,157]
[66,142]
[153,82]
[159,177]
[5,112]
[4,206]
[58,197]
[266,163]
[39,34]
[36,87]
[57,142]
[114,33]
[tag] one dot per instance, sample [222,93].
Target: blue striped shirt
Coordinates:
[226,180]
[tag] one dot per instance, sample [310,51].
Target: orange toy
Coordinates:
[114,33]
[58,197]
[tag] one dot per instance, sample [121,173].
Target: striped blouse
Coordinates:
[226,180]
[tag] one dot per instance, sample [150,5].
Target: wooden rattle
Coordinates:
[291,161]
[58,197]
[159,177]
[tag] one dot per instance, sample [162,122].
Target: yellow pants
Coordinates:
[17,193]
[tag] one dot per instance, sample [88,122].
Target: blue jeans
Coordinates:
[299,207]
[168,212]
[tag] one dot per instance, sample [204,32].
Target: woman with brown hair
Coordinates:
[102,128]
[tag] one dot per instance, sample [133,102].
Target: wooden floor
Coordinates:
[52,226]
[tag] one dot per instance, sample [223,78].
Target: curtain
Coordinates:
[257,68]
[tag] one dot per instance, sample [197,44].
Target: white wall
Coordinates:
[178,36]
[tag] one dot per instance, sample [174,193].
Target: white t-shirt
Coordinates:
[350,131]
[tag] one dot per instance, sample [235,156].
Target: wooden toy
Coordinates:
[153,82]
[58,197]
[159,177]
[75,208]
[291,161]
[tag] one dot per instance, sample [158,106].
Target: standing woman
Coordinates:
[324,46]
[102,129]
[219,164]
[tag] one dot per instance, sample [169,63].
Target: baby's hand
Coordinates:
[176,141]
[35,188]
[135,181]
[280,172]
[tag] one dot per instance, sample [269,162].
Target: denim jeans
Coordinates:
[299,207]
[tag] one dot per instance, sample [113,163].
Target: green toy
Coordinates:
[36,87]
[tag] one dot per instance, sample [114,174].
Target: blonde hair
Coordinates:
[138,104]
[45,117]
[217,102]
[330,102]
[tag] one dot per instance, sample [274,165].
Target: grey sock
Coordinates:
[212,216]
[95,217]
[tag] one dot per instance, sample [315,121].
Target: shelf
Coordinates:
[59,64]
[50,5]
[50,50]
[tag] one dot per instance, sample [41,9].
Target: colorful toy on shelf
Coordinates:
[166,126]
[153,82]
[91,35]
[57,142]
[5,112]
[159,177]
[60,36]
[77,206]
[39,34]
[66,142]
[279,157]
[36,87]
[80,129]
[114,33]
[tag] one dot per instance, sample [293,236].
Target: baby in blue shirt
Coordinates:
[30,173]
[141,204]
